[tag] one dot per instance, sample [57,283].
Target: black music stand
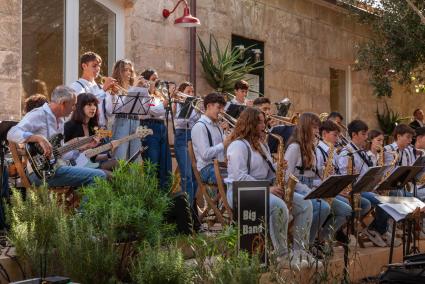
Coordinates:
[5,126]
[186,108]
[136,102]
[235,110]
[369,180]
[420,162]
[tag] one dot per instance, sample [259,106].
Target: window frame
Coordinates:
[71,38]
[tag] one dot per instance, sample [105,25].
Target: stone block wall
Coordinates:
[10,59]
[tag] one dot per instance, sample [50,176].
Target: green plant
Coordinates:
[158,265]
[34,229]
[388,119]
[239,268]
[222,68]
[131,203]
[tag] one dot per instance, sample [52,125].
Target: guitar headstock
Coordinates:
[103,133]
[143,131]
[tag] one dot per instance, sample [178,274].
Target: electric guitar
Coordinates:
[83,159]
[45,167]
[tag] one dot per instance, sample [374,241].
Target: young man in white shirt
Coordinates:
[42,123]
[90,64]
[208,137]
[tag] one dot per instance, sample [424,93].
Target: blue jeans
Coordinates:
[279,219]
[380,223]
[123,127]
[364,204]
[208,175]
[341,211]
[321,209]
[400,192]
[70,176]
[158,151]
[187,179]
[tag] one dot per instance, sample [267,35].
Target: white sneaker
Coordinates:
[291,262]
[308,257]
[374,237]
[387,237]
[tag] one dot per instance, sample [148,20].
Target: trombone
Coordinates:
[283,120]
[198,105]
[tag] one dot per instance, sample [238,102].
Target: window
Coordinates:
[256,53]
[42,45]
[338,90]
[56,32]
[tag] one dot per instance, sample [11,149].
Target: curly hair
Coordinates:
[118,72]
[246,128]
[304,136]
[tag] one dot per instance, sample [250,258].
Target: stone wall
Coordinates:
[303,39]
[10,59]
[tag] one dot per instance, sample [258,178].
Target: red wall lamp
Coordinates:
[187,20]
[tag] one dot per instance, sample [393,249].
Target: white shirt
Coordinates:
[373,158]
[405,157]
[322,154]
[156,110]
[237,163]
[204,153]
[39,121]
[105,99]
[185,123]
[360,159]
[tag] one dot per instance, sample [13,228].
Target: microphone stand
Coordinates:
[169,109]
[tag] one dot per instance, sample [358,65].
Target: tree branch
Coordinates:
[409,2]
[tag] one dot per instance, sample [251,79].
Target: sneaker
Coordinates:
[308,257]
[291,262]
[387,237]
[374,237]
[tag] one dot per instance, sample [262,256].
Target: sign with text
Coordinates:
[251,204]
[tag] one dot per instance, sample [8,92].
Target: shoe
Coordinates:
[307,257]
[291,262]
[374,237]
[387,237]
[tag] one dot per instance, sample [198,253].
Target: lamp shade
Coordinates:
[187,20]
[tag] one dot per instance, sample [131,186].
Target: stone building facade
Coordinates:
[303,41]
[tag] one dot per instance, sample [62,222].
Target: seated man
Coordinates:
[208,137]
[42,123]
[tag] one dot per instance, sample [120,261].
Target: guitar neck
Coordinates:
[75,145]
[93,152]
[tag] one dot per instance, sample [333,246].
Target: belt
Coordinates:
[127,116]
[151,120]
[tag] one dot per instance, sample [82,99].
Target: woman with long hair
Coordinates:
[301,158]
[125,124]
[249,159]
[84,122]
[184,121]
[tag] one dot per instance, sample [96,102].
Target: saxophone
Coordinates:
[289,188]
[393,164]
[381,156]
[329,167]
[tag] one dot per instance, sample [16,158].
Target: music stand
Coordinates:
[420,162]
[5,126]
[235,110]
[369,180]
[136,102]
[186,108]
[399,178]
[331,187]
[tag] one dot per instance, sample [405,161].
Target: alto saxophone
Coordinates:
[289,188]
[329,167]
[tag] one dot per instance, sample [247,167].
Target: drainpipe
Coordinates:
[192,48]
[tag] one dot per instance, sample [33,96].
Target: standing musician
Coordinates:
[158,151]
[125,124]
[301,158]
[329,132]
[249,159]
[90,64]
[241,91]
[50,121]
[208,137]
[181,137]
[84,120]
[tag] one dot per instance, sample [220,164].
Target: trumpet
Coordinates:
[227,118]
[114,88]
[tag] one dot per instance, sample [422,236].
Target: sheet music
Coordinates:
[399,207]
[136,102]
